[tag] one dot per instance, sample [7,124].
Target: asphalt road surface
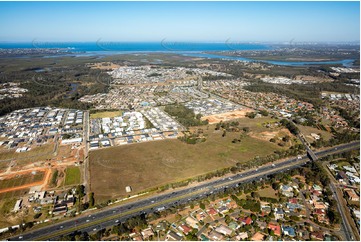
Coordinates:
[109,216]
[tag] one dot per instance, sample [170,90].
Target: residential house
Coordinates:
[261,225]
[289,231]
[185,229]
[275,228]
[287,190]
[192,222]
[224,230]
[278,213]
[214,235]
[212,211]
[233,225]
[161,226]
[258,237]
[147,233]
[135,237]
[245,220]
[316,187]
[352,195]
[304,234]
[242,236]
[317,235]
[173,236]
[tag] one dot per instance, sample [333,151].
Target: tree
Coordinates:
[264,112]
[202,206]
[37,215]
[255,194]
[246,129]
[251,115]
[91,199]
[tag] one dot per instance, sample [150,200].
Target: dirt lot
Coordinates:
[212,119]
[103,66]
[23,180]
[155,163]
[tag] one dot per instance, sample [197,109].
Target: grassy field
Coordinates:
[306,130]
[6,206]
[39,153]
[72,176]
[106,114]
[151,164]
[22,180]
[13,194]
[267,192]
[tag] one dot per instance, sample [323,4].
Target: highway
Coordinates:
[113,215]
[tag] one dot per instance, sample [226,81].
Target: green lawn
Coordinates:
[72,176]
[106,114]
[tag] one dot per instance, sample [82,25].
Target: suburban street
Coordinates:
[113,215]
[347,223]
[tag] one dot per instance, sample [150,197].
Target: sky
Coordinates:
[180,21]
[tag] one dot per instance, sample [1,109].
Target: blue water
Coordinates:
[136,46]
[347,62]
[103,48]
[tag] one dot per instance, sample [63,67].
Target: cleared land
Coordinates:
[72,176]
[267,192]
[18,181]
[151,164]
[106,114]
[13,194]
[35,154]
[212,119]
[306,130]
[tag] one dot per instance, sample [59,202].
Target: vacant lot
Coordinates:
[212,119]
[21,180]
[155,163]
[72,176]
[267,192]
[35,154]
[13,194]
[106,114]
[306,130]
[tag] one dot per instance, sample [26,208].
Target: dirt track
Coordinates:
[42,182]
